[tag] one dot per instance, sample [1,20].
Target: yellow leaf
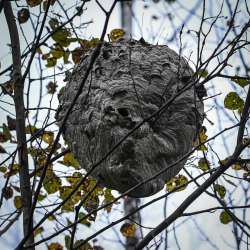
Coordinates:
[79,246]
[178,181]
[45,56]
[236,166]
[202,137]
[51,217]
[55,246]
[93,42]
[108,197]
[23,15]
[74,179]
[30,129]
[77,53]
[128,229]
[8,88]
[7,192]
[69,160]
[18,202]
[39,51]
[52,184]
[38,231]
[115,34]
[33,3]
[45,3]
[51,87]
[246,141]
[48,137]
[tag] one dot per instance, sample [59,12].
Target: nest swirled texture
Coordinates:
[130,81]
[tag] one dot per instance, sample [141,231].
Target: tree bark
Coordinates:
[126,17]
[130,203]
[20,124]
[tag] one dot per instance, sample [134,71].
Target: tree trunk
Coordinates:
[26,193]
[126,17]
[130,203]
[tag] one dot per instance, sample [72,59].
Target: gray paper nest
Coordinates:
[130,81]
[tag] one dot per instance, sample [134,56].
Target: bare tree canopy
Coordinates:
[124,124]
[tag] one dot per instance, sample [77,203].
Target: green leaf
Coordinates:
[202,73]
[203,164]
[66,57]
[221,190]
[241,82]
[52,184]
[84,221]
[3,169]
[6,132]
[61,37]
[31,129]
[233,102]
[41,197]
[67,241]
[57,52]
[54,23]
[51,62]
[225,217]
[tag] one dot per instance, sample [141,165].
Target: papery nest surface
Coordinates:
[130,81]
